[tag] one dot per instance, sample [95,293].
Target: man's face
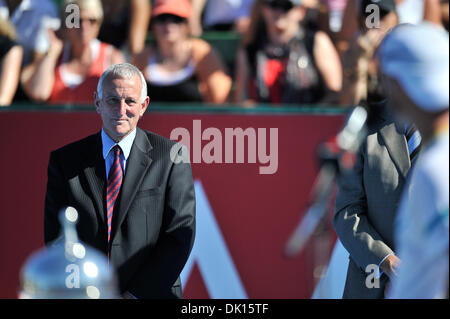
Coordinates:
[120,106]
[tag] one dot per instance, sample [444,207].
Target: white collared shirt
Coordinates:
[125,145]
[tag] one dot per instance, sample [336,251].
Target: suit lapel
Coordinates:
[96,175]
[137,165]
[397,147]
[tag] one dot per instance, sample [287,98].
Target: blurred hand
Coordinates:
[361,52]
[368,42]
[390,266]
[56,44]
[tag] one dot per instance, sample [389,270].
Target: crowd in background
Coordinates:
[291,52]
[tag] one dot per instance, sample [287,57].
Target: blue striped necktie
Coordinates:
[115,178]
[414,141]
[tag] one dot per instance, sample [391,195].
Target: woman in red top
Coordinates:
[69,72]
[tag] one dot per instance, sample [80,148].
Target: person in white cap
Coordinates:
[414,61]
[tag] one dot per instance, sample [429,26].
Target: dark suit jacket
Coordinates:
[367,202]
[153,226]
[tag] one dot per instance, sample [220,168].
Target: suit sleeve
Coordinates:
[353,227]
[55,199]
[163,267]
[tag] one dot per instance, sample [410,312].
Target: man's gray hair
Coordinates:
[124,71]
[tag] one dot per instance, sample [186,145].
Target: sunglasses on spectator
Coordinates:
[283,6]
[90,20]
[169,18]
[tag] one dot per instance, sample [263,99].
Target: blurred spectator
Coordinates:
[179,68]
[282,61]
[409,11]
[31,19]
[414,61]
[69,72]
[351,20]
[10,63]
[125,24]
[361,82]
[220,15]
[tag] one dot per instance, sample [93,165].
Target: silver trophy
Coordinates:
[68,269]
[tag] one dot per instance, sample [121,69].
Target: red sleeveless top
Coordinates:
[84,92]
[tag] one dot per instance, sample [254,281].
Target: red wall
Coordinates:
[256,213]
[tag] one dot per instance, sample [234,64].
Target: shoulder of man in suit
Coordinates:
[79,145]
[157,139]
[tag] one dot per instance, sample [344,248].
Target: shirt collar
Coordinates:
[125,144]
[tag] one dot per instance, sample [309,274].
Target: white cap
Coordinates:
[417,56]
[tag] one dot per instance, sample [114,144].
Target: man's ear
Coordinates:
[96,102]
[144,106]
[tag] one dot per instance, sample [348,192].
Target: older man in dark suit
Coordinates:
[134,193]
